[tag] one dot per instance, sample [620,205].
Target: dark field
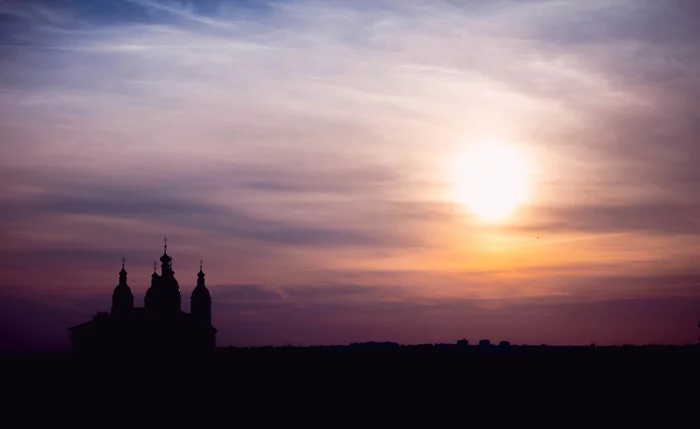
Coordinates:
[269,383]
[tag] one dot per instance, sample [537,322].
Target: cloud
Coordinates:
[62,258]
[656,217]
[331,291]
[290,103]
[302,145]
[245,293]
[179,206]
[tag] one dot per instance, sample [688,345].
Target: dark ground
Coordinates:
[372,382]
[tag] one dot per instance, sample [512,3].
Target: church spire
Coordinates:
[122,273]
[200,301]
[200,276]
[122,298]
[164,294]
[166,267]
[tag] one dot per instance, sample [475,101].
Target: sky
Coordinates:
[303,150]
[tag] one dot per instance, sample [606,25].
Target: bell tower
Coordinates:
[166,266]
[171,298]
[122,298]
[151,300]
[200,301]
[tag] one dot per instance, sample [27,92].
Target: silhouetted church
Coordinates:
[159,326]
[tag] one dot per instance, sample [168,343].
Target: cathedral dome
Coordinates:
[200,292]
[165,259]
[122,291]
[122,298]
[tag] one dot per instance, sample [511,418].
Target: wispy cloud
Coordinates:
[305,143]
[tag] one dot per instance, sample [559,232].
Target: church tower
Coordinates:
[200,301]
[150,301]
[122,298]
[171,298]
[164,294]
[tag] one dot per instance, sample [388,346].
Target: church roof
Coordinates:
[122,290]
[137,316]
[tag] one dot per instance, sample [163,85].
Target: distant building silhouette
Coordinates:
[159,326]
[484,343]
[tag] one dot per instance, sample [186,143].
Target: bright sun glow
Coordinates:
[491,180]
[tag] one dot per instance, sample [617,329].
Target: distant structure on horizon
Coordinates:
[159,326]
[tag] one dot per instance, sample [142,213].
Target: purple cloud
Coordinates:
[300,149]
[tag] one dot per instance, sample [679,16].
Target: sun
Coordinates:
[491,180]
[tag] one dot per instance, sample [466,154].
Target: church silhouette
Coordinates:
[159,326]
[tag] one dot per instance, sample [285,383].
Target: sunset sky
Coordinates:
[310,153]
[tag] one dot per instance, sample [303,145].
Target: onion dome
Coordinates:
[165,259]
[122,298]
[200,291]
